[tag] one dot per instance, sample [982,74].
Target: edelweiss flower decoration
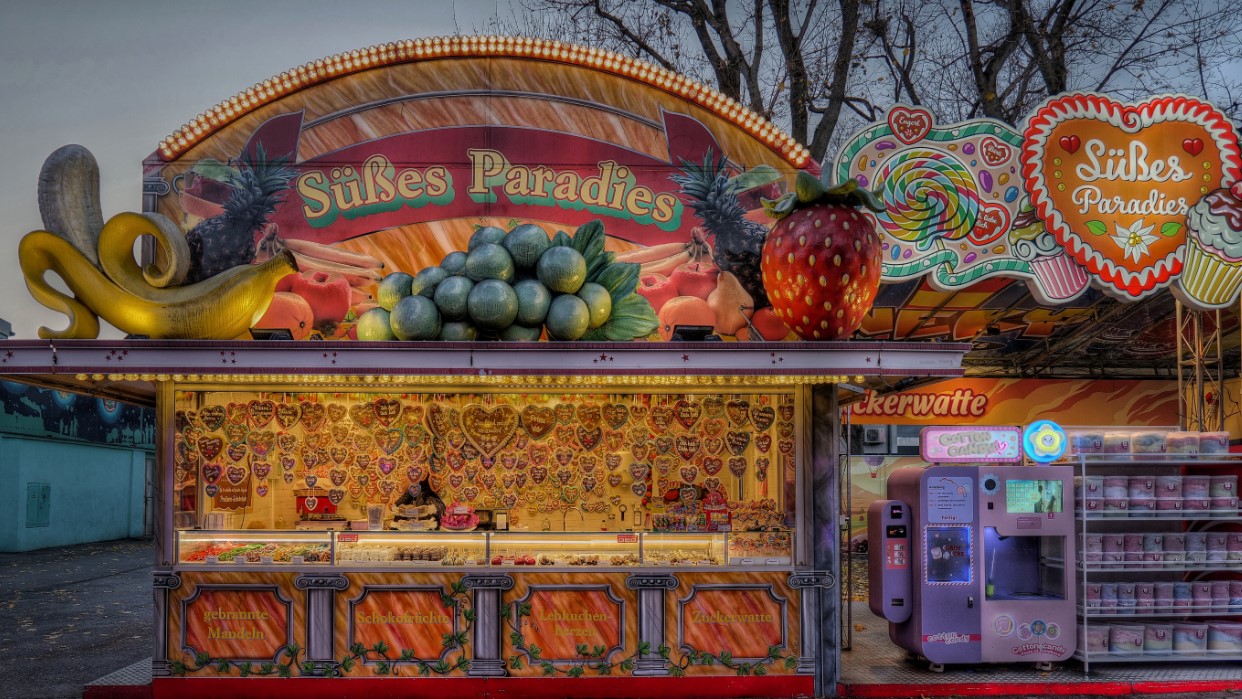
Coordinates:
[1135,238]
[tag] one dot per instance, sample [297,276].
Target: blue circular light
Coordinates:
[1044,441]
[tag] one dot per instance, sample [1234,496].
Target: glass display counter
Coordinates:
[683,549]
[411,548]
[257,547]
[565,549]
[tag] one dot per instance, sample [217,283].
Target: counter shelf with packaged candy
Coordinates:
[241,548]
[1155,539]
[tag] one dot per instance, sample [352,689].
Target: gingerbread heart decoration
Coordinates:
[310,457]
[287,462]
[738,412]
[639,471]
[386,465]
[387,411]
[664,464]
[737,466]
[521,441]
[564,456]
[313,415]
[639,436]
[335,496]
[508,480]
[489,430]
[236,452]
[590,414]
[762,416]
[538,421]
[587,464]
[456,479]
[261,442]
[714,406]
[455,438]
[589,438]
[538,474]
[763,442]
[441,420]
[414,435]
[639,489]
[288,415]
[415,474]
[785,430]
[363,414]
[287,441]
[612,461]
[488,480]
[909,124]
[412,415]
[737,442]
[664,444]
[362,441]
[786,446]
[235,413]
[260,412]
[687,412]
[1113,181]
[615,415]
[638,412]
[508,459]
[339,454]
[389,440]
[713,445]
[785,411]
[260,469]
[687,446]
[564,413]
[211,472]
[520,479]
[212,417]
[614,479]
[210,447]
[340,434]
[714,427]
[509,500]
[338,476]
[589,483]
[288,477]
[712,465]
[539,454]
[615,441]
[640,453]
[689,473]
[455,460]
[212,490]
[236,433]
[235,474]
[660,419]
[261,491]
[470,493]
[362,478]
[337,412]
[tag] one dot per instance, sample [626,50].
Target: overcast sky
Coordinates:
[117,76]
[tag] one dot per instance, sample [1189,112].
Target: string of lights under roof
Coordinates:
[408,51]
[479,379]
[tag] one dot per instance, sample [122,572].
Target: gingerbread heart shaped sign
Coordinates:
[1113,181]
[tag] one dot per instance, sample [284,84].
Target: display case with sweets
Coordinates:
[1213,442]
[1149,444]
[240,548]
[1085,442]
[1182,443]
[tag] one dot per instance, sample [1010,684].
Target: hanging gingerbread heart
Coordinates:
[538,474]
[456,438]
[638,488]
[519,479]
[786,446]
[712,484]
[713,428]
[287,462]
[564,456]
[521,441]
[714,406]
[212,417]
[564,413]
[339,454]
[564,476]
[261,490]
[640,452]
[472,471]
[470,493]
[412,415]
[211,490]
[340,433]
[589,483]
[260,469]
[589,438]
[363,414]
[235,474]
[785,410]
[615,415]
[288,415]
[687,412]
[386,465]
[288,477]
[210,447]
[687,446]
[738,412]
[211,472]
[313,416]
[713,445]
[614,479]
[336,496]
[441,420]
[590,414]
[488,480]
[389,440]
[362,441]
[508,460]
[415,474]
[489,430]
[337,412]
[763,442]
[660,419]
[236,452]
[737,442]
[538,421]
[737,466]
[785,430]
[762,416]
[539,453]
[639,471]
[508,479]
[689,473]
[287,441]
[261,442]
[235,413]
[587,463]
[414,435]
[456,479]
[615,441]
[260,412]
[387,411]
[712,465]
[612,461]
[236,433]
[664,464]
[509,500]
[639,435]
[469,452]
[338,476]
[310,457]
[638,412]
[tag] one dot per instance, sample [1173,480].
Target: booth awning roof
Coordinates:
[128,369]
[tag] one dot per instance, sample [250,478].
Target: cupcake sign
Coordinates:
[1114,184]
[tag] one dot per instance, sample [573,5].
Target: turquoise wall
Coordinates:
[97,492]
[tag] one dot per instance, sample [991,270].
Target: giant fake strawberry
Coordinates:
[821,261]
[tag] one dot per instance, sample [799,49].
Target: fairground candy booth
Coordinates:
[492,364]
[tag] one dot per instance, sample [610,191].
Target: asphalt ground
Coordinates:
[73,614]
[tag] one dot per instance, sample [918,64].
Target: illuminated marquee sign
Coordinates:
[971,444]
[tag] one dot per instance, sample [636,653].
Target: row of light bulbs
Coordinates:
[441,47]
[479,379]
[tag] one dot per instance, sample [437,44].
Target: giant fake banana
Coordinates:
[69,198]
[222,307]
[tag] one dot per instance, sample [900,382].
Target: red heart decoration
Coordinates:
[1070,144]
[712,465]
[414,473]
[994,152]
[1194,146]
[991,223]
[211,473]
[909,124]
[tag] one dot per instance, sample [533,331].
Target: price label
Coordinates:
[627,538]
[347,538]
[211,559]
[748,561]
[240,560]
[773,561]
[297,560]
[266,560]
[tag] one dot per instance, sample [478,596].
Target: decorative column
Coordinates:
[165,580]
[651,590]
[824,560]
[321,592]
[813,587]
[487,660]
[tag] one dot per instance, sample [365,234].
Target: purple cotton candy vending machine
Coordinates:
[984,541]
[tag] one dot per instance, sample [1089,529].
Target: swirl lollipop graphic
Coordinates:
[928,195]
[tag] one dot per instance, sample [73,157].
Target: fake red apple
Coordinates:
[327,293]
[657,289]
[695,278]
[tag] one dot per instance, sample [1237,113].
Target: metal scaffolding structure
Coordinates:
[1200,369]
